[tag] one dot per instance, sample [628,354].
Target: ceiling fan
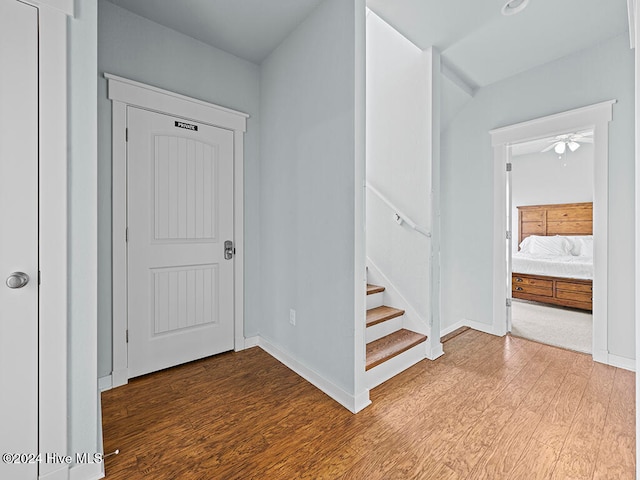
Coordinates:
[572,141]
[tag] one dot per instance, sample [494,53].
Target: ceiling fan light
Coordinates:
[560,148]
[573,146]
[514,6]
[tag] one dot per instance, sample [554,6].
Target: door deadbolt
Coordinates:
[228,250]
[17,280]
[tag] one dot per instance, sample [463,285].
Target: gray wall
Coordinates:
[136,48]
[82,228]
[307,147]
[601,73]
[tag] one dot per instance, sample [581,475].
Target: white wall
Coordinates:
[307,148]
[398,159]
[137,48]
[82,228]
[541,178]
[601,73]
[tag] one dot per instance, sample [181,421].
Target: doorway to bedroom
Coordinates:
[550,193]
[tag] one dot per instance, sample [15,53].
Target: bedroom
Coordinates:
[545,187]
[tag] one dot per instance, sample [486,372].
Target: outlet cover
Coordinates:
[292,316]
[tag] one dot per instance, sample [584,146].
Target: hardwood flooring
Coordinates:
[491,408]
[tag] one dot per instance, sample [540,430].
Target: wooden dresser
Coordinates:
[568,292]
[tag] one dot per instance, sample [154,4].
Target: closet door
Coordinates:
[18,240]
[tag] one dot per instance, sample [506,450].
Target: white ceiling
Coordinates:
[475,40]
[249,29]
[484,46]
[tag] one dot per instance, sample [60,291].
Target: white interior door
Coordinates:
[180,213]
[18,238]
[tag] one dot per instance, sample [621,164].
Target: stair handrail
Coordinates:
[400,217]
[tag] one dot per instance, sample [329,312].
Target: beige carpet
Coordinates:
[555,326]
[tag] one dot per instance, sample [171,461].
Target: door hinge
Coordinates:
[126,134]
[126,234]
[508,167]
[508,235]
[508,302]
[127,335]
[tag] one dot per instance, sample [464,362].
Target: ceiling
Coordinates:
[249,29]
[476,41]
[483,46]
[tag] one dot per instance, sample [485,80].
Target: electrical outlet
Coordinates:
[292,317]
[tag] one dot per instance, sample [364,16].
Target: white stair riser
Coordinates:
[383,329]
[375,300]
[395,365]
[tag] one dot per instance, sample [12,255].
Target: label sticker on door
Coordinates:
[188,126]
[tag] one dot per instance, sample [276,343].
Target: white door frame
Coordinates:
[596,117]
[52,330]
[124,92]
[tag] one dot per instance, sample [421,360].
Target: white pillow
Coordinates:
[546,246]
[583,246]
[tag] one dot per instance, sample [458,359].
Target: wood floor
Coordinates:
[491,408]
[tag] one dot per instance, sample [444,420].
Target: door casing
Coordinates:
[596,117]
[124,92]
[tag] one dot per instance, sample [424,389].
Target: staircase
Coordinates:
[390,347]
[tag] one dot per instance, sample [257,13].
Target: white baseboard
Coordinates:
[434,352]
[61,474]
[119,377]
[353,403]
[452,328]
[105,383]
[251,342]
[621,362]
[87,471]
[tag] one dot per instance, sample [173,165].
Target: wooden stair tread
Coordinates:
[394,344]
[381,314]
[371,289]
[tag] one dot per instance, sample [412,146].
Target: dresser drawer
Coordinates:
[574,287]
[546,291]
[517,280]
[577,296]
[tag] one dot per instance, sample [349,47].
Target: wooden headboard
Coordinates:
[556,219]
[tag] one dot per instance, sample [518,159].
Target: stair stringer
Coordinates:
[411,320]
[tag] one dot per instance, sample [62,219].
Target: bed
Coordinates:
[554,262]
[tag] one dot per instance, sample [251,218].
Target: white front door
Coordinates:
[18,239]
[180,213]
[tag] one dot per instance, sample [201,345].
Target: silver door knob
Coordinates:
[17,280]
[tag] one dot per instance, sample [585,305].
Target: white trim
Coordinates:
[164,101]
[105,383]
[597,117]
[636,53]
[53,368]
[251,342]
[65,7]
[124,92]
[87,471]
[621,362]
[453,328]
[361,392]
[435,348]
[631,12]
[412,319]
[353,403]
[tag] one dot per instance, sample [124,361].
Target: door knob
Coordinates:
[17,280]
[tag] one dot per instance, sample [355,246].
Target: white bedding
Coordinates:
[568,266]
